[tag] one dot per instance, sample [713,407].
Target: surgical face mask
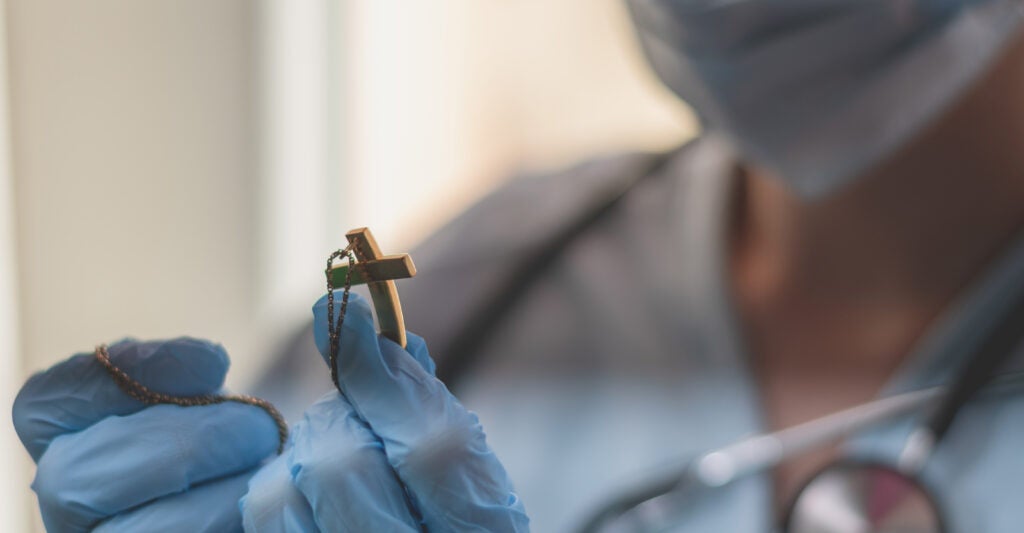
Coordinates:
[817,91]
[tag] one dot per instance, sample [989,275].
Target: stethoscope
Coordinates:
[847,496]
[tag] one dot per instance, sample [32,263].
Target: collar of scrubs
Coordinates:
[966,465]
[702,234]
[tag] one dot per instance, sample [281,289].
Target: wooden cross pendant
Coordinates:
[378,272]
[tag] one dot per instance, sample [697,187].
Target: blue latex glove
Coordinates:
[106,462]
[397,452]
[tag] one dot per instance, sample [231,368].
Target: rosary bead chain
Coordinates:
[143,394]
[334,327]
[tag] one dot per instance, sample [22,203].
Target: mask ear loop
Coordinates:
[334,327]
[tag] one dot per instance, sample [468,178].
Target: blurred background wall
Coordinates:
[16,506]
[184,166]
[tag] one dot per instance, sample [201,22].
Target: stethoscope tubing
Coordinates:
[759,453]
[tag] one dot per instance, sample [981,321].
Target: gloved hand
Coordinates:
[106,462]
[396,452]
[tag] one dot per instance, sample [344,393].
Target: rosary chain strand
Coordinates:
[143,394]
[334,327]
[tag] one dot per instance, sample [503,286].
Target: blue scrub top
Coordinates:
[627,358]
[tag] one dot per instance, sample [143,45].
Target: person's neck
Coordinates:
[869,267]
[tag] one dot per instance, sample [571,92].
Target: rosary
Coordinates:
[373,268]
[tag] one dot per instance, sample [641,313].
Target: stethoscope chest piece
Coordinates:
[852,496]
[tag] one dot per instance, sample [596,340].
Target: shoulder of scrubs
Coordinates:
[463,263]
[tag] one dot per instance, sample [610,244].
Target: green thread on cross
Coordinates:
[390,267]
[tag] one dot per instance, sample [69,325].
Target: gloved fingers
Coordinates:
[340,467]
[209,508]
[358,331]
[77,393]
[121,462]
[435,445]
[273,504]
